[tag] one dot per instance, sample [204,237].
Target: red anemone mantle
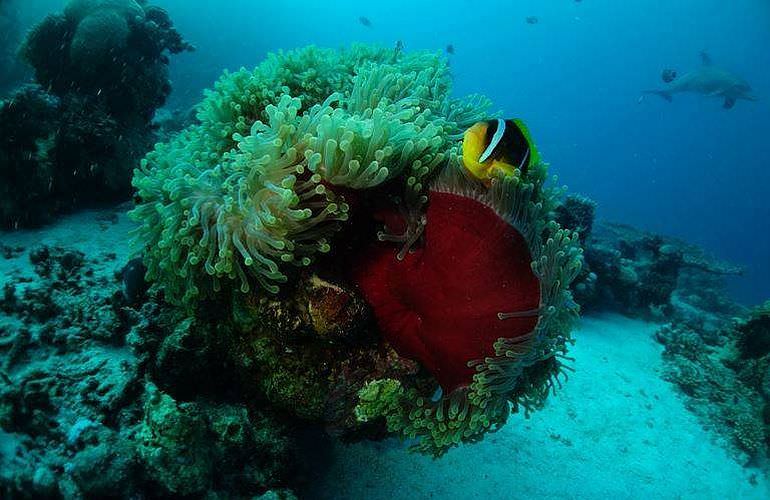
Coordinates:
[440,304]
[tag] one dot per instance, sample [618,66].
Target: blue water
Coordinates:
[689,168]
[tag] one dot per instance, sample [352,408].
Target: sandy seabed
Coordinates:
[615,430]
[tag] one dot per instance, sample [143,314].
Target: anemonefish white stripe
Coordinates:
[494,142]
[524,160]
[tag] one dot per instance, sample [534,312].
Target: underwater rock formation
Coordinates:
[190,448]
[577,213]
[101,67]
[725,376]
[716,352]
[113,51]
[250,220]
[24,162]
[303,370]
[754,333]
[643,274]
[80,414]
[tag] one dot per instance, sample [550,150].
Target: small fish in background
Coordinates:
[668,75]
[532,20]
[450,49]
[365,21]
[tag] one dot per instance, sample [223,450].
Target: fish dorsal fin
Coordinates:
[705,58]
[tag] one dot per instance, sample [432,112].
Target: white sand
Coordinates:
[616,430]
[93,232]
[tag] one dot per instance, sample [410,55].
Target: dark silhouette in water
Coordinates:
[710,81]
[365,21]
[399,47]
[668,75]
[134,285]
[532,20]
[450,49]
[74,139]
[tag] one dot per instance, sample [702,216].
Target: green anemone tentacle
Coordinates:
[241,196]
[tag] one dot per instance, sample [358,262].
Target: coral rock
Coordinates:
[334,312]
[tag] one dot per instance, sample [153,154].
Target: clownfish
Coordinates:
[497,147]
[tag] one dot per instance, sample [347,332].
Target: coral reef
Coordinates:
[643,274]
[309,368]
[80,414]
[25,165]
[724,376]
[577,213]
[99,47]
[101,67]
[716,352]
[190,448]
[754,333]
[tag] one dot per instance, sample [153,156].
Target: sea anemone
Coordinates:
[249,191]
[482,303]
[476,288]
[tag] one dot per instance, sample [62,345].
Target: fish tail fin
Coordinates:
[660,93]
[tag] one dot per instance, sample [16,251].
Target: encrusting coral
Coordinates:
[92,391]
[313,141]
[725,375]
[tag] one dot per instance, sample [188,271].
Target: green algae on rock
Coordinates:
[293,361]
[192,448]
